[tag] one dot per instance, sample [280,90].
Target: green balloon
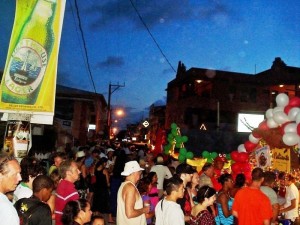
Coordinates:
[178,145]
[178,139]
[228,156]
[182,151]
[213,155]
[210,160]
[181,158]
[170,140]
[184,139]
[189,155]
[167,147]
[170,135]
[173,125]
[174,132]
[205,154]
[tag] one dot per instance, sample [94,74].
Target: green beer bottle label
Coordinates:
[26,67]
[28,62]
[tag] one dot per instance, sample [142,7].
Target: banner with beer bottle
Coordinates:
[29,79]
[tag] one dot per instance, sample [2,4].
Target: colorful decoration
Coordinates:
[175,140]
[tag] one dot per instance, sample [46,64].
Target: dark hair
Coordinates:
[143,185]
[55,177]
[172,184]
[71,210]
[281,175]
[64,167]
[151,175]
[240,180]
[207,166]
[95,218]
[257,174]
[269,177]
[40,182]
[184,168]
[4,159]
[100,163]
[224,177]
[30,170]
[204,192]
[290,177]
[60,155]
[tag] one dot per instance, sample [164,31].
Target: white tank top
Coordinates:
[121,216]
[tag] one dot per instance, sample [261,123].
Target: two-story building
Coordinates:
[212,99]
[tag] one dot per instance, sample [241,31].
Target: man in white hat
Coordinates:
[130,209]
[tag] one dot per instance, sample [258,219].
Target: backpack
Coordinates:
[25,215]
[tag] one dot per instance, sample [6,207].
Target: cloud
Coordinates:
[155,12]
[112,62]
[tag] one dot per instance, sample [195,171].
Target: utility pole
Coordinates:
[111,89]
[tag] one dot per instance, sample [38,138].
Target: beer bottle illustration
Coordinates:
[29,59]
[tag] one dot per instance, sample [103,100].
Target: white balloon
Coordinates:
[282,100]
[293,113]
[271,123]
[269,113]
[280,117]
[241,148]
[278,109]
[253,139]
[290,139]
[290,128]
[297,118]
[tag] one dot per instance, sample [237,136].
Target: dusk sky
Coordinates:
[230,35]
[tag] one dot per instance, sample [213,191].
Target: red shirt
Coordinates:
[252,206]
[65,192]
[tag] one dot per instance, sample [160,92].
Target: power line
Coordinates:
[84,46]
[145,25]
[78,37]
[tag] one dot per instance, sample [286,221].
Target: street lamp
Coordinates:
[113,114]
[111,89]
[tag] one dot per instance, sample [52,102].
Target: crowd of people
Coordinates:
[122,185]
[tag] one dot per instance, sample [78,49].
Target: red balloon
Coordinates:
[298,129]
[234,155]
[287,109]
[256,134]
[249,146]
[263,125]
[246,167]
[243,157]
[294,102]
[235,167]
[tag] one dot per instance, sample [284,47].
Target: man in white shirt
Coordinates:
[9,179]
[167,211]
[162,173]
[290,207]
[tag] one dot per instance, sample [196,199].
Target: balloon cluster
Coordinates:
[241,164]
[280,129]
[209,156]
[176,140]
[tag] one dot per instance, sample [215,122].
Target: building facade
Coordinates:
[205,103]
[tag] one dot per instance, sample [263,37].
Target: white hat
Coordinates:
[80,154]
[131,167]
[109,150]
